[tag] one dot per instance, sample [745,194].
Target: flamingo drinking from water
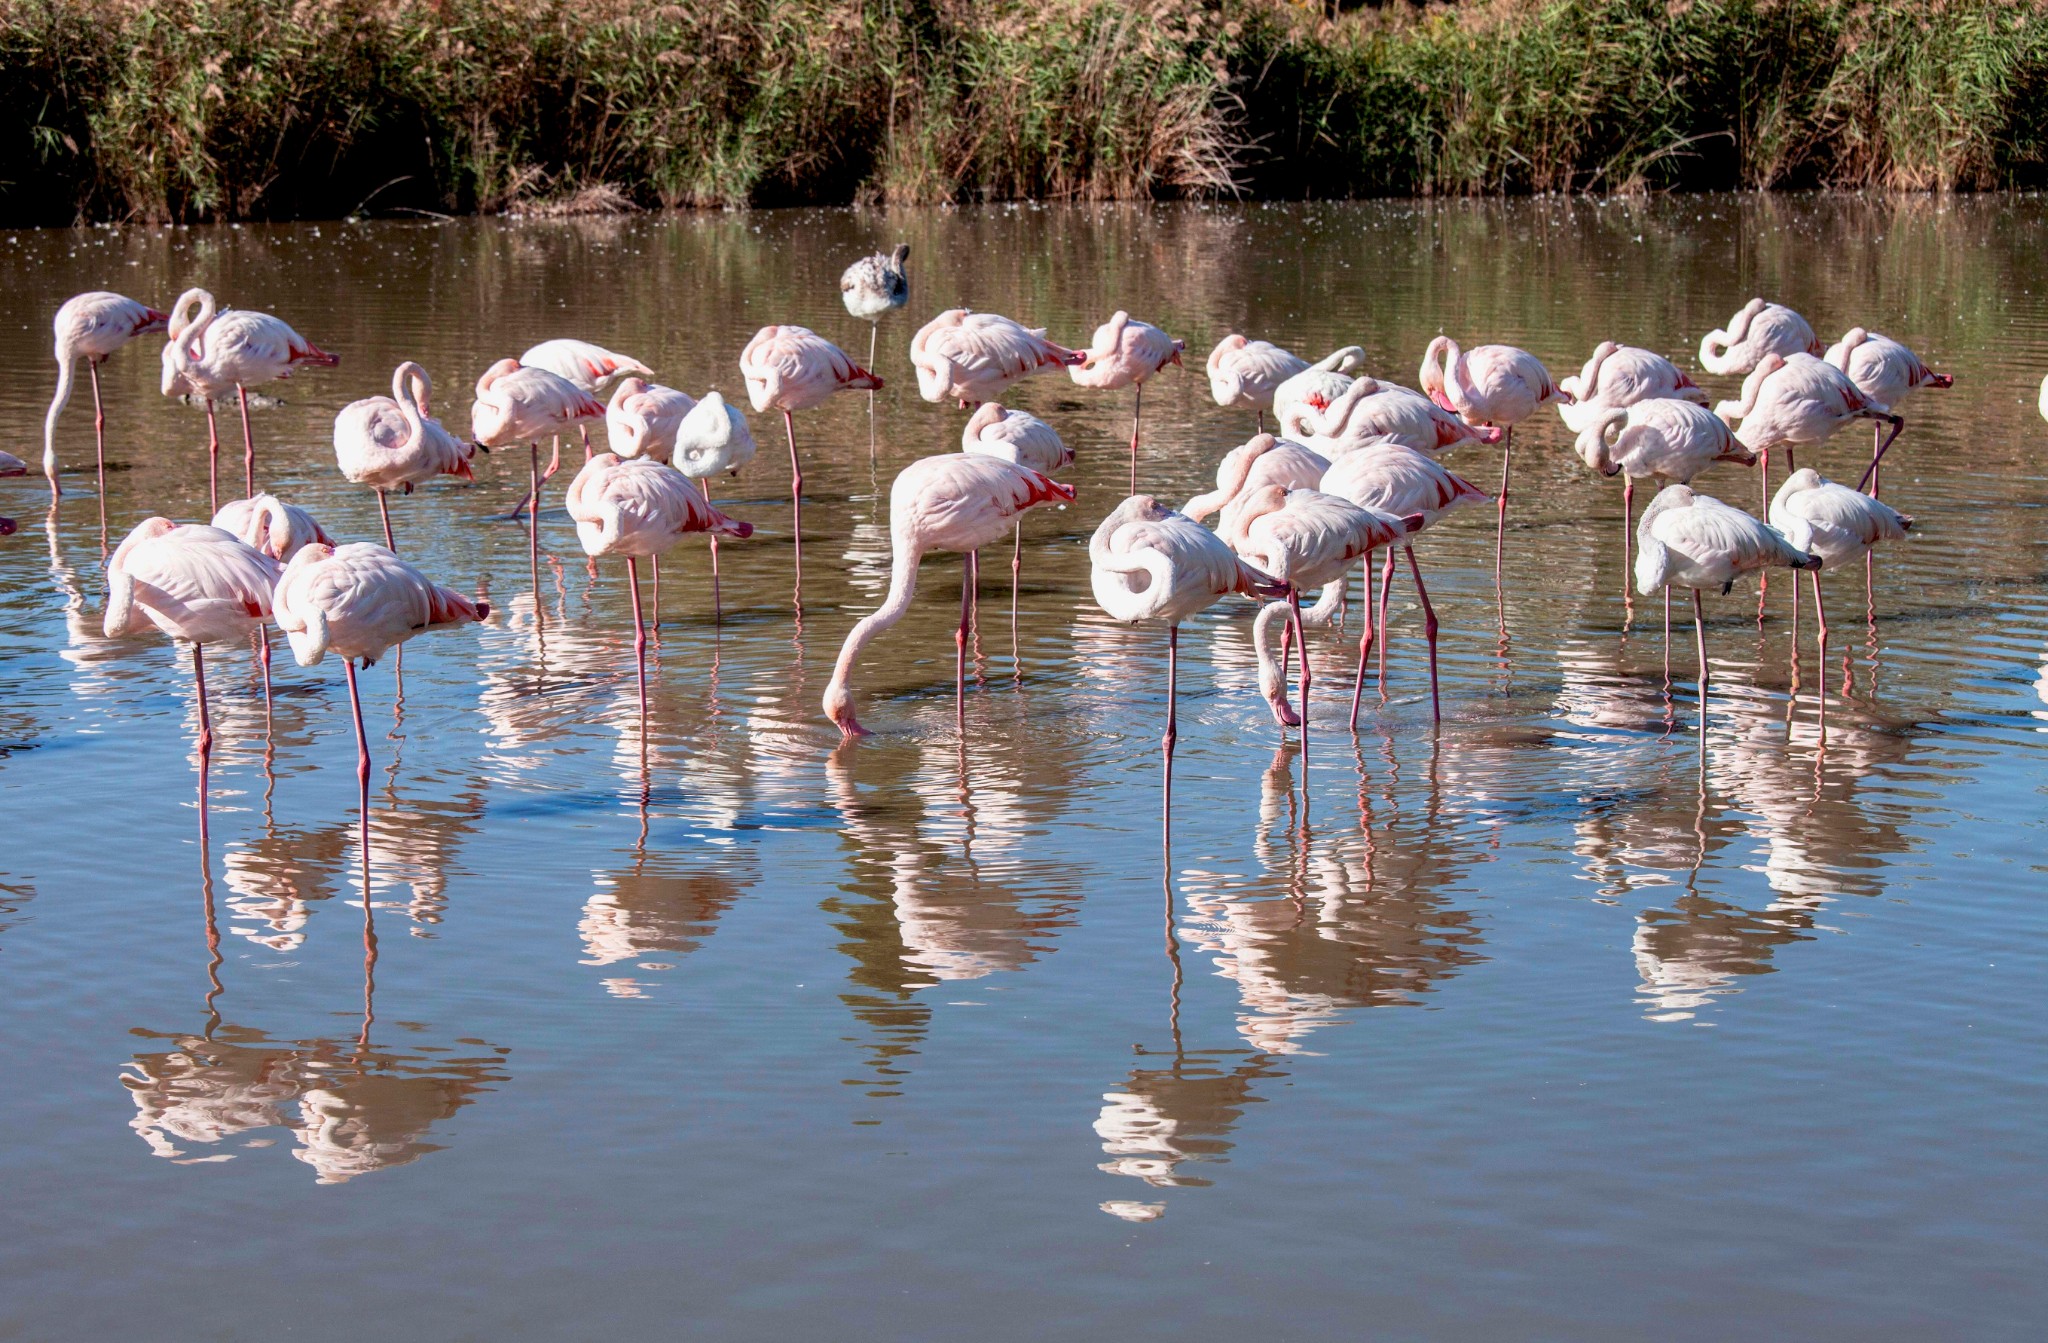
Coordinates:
[1125,353]
[972,357]
[952,502]
[1884,371]
[1497,385]
[394,442]
[90,327]
[1246,373]
[1621,375]
[1759,329]
[792,368]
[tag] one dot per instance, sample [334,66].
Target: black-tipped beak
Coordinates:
[483,448]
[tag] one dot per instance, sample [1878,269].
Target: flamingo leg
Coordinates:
[355,704]
[533,520]
[263,660]
[248,445]
[796,495]
[1628,533]
[554,465]
[584,430]
[1699,639]
[199,692]
[639,643]
[1261,413]
[1365,641]
[1172,726]
[1667,640]
[384,513]
[212,456]
[960,645]
[1016,573]
[1386,586]
[874,334]
[717,607]
[1871,479]
[1429,627]
[99,443]
[1137,411]
[655,613]
[1294,604]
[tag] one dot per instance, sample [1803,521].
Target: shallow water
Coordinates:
[1550,1023]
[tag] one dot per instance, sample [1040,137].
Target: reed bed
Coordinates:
[231,109]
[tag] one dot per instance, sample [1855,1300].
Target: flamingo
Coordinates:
[91,326]
[1263,460]
[1497,385]
[952,502]
[278,529]
[1662,439]
[875,286]
[1695,541]
[1884,371]
[360,600]
[1621,375]
[1125,353]
[586,367]
[791,368]
[643,418]
[1021,439]
[394,443]
[200,584]
[712,437]
[1315,386]
[210,352]
[636,506]
[1834,522]
[1800,399]
[972,357]
[1370,410]
[1149,563]
[1393,479]
[1759,329]
[517,404]
[1303,539]
[1246,373]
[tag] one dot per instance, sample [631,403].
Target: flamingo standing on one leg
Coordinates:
[1793,400]
[712,438]
[1838,524]
[359,601]
[1247,372]
[1621,375]
[200,584]
[1662,439]
[792,368]
[91,327]
[394,442]
[516,404]
[589,369]
[1693,540]
[1149,563]
[278,529]
[1021,439]
[972,357]
[638,506]
[210,352]
[872,288]
[1759,329]
[1885,372]
[1497,385]
[952,502]
[1396,480]
[1124,353]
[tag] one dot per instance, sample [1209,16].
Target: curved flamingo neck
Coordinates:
[66,362]
[908,553]
[407,392]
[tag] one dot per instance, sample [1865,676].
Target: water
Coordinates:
[1544,1025]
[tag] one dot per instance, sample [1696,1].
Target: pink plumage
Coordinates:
[200,584]
[360,601]
[266,522]
[1246,372]
[644,418]
[792,368]
[637,506]
[972,357]
[1124,353]
[516,404]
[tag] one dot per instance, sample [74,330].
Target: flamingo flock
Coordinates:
[1357,468]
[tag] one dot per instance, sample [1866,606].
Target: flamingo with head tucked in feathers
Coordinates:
[1792,400]
[394,442]
[1022,439]
[1125,353]
[1885,371]
[1369,411]
[1246,373]
[516,404]
[952,502]
[1497,385]
[792,368]
[1759,329]
[973,357]
[1314,388]
[1661,439]
[588,368]
[1833,522]
[1264,460]
[91,327]
[1621,375]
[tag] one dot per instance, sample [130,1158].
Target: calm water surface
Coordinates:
[1543,1025]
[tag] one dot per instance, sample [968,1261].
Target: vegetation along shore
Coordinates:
[234,109]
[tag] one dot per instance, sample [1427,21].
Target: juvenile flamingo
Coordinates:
[875,286]
[1246,373]
[1395,480]
[1695,541]
[394,442]
[1021,439]
[359,601]
[792,368]
[1621,375]
[1264,460]
[1884,371]
[91,326]
[1148,563]
[200,584]
[638,506]
[1662,439]
[972,357]
[1496,385]
[1125,353]
[1834,522]
[1789,401]
[1759,329]
[210,352]
[516,404]
[586,367]
[952,502]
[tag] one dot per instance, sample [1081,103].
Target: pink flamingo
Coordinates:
[1788,401]
[1247,372]
[972,357]
[360,601]
[1021,439]
[394,442]
[210,353]
[1314,388]
[1834,522]
[1885,372]
[1304,539]
[1759,329]
[643,419]
[1497,385]
[516,404]
[1125,353]
[1396,480]
[200,584]
[712,438]
[636,506]
[266,522]
[1695,541]
[91,327]
[586,367]
[1264,460]
[1621,375]
[792,368]
[1148,563]
[1662,439]
[1369,410]
[952,502]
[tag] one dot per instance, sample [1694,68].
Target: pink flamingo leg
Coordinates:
[796,495]
[1628,534]
[533,521]
[584,430]
[1365,641]
[1016,573]
[99,443]
[355,704]
[263,646]
[1294,603]
[639,642]
[1500,526]
[1699,639]
[655,613]
[967,585]
[1262,419]
[717,607]
[1429,627]
[199,692]
[1137,411]
[1386,585]
[248,445]
[212,456]
[1172,727]
[384,514]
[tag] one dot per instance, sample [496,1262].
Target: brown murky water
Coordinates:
[1544,1024]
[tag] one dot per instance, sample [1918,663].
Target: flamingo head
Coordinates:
[839,708]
